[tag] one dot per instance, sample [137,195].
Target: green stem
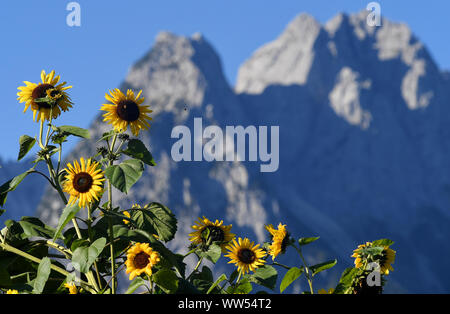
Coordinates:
[30,257]
[110,225]
[196,267]
[308,276]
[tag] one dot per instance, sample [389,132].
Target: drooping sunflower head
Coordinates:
[46,99]
[140,259]
[245,255]
[126,110]
[72,288]
[280,240]
[385,259]
[84,182]
[206,230]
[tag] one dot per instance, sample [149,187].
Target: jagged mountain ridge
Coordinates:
[362,114]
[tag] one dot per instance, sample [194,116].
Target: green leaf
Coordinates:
[244,287]
[5,278]
[305,241]
[74,130]
[43,273]
[135,284]
[33,227]
[156,218]
[166,280]
[11,185]
[138,150]
[322,266]
[84,257]
[213,253]
[216,283]
[290,276]
[346,280]
[68,213]
[26,143]
[125,175]
[265,276]
[383,242]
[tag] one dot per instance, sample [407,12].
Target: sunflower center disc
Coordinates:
[141,260]
[40,92]
[82,182]
[128,110]
[216,234]
[246,256]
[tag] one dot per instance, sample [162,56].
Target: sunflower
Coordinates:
[280,239]
[141,258]
[46,99]
[245,255]
[387,258]
[126,214]
[218,232]
[12,292]
[72,288]
[126,110]
[84,182]
[323,291]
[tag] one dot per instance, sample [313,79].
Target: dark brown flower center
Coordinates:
[141,260]
[246,256]
[216,234]
[128,110]
[40,92]
[82,182]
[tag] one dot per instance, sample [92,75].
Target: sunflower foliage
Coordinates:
[95,240]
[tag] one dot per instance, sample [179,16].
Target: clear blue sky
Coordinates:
[96,56]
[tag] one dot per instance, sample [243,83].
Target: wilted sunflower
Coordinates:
[72,288]
[57,97]
[126,110]
[280,239]
[218,232]
[141,258]
[245,255]
[84,182]
[387,258]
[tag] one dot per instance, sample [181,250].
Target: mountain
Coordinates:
[364,142]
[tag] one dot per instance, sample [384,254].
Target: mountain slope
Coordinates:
[363,142]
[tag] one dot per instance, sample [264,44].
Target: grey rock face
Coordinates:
[364,147]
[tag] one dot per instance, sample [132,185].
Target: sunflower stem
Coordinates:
[110,225]
[308,275]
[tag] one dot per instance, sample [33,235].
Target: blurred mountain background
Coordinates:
[364,143]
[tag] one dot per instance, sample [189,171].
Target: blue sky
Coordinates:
[113,34]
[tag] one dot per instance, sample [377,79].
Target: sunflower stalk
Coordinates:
[110,224]
[305,265]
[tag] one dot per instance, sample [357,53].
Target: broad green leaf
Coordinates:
[43,273]
[265,276]
[74,130]
[304,241]
[26,143]
[138,150]
[244,287]
[124,175]
[33,227]
[11,185]
[84,257]
[322,266]
[383,242]
[290,276]
[346,280]
[216,283]
[166,280]
[213,253]
[158,219]
[68,213]
[135,284]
